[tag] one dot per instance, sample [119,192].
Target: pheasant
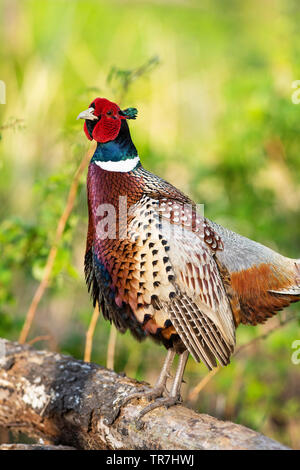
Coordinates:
[157,267]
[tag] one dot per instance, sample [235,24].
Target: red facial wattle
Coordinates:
[106,129]
[109,124]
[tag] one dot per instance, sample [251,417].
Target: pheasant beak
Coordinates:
[87,114]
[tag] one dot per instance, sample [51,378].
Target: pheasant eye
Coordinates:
[109,113]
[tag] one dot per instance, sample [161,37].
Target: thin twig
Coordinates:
[90,334]
[39,338]
[196,390]
[110,358]
[264,335]
[53,251]
[200,386]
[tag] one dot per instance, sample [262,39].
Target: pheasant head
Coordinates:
[103,119]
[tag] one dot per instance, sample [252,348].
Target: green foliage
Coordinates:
[120,80]
[215,118]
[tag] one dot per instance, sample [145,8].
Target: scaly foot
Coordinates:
[174,396]
[155,392]
[163,401]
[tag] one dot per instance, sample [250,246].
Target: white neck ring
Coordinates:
[122,166]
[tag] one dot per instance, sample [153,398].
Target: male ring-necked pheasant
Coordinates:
[160,269]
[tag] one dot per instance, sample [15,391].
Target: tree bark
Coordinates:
[33,447]
[73,403]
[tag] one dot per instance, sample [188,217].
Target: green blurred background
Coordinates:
[216,119]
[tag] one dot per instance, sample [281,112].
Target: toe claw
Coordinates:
[156,394]
[139,424]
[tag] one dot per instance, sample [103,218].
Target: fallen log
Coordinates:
[73,403]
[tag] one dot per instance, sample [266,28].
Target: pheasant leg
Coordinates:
[160,386]
[174,395]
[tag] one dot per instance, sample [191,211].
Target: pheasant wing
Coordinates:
[180,277]
[200,310]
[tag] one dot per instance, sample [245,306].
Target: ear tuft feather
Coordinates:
[130,113]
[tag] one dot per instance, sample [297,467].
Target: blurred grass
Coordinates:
[215,118]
